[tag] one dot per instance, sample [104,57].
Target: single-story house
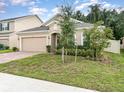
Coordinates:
[30,33]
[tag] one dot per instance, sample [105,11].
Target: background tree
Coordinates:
[94,14]
[111,18]
[79,16]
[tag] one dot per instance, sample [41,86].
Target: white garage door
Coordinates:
[34,44]
[4,42]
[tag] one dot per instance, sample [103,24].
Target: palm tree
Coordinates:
[94,14]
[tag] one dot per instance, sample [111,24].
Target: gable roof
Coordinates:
[78,23]
[41,28]
[53,18]
[15,18]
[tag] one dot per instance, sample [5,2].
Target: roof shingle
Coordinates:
[41,28]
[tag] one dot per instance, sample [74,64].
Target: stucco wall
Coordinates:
[13,40]
[27,23]
[12,26]
[4,41]
[53,26]
[79,37]
[114,46]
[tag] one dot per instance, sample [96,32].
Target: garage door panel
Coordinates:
[34,44]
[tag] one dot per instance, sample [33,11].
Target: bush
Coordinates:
[6,47]
[1,46]
[80,52]
[15,49]
[80,47]
[48,48]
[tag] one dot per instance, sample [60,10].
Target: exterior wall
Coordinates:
[11,26]
[114,46]
[79,37]
[13,40]
[4,40]
[27,23]
[33,35]
[54,27]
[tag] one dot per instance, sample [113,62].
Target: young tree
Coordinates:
[97,39]
[67,27]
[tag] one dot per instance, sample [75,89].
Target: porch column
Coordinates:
[56,40]
[20,43]
[49,39]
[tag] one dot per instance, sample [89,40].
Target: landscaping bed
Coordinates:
[84,73]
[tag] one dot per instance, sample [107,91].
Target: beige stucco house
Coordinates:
[30,33]
[9,28]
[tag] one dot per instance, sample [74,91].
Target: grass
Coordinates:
[84,73]
[5,51]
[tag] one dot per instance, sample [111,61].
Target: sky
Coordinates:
[45,9]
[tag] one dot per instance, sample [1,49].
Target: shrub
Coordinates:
[80,52]
[1,46]
[80,47]
[15,49]
[48,48]
[6,47]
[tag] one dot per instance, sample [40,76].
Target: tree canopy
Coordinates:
[111,18]
[67,27]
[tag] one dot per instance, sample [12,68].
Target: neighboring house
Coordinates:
[29,33]
[9,28]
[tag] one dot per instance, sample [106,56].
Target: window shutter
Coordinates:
[0,27]
[8,26]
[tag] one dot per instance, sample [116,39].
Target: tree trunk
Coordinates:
[95,55]
[66,55]
[76,54]
[63,58]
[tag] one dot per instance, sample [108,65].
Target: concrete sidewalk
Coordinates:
[13,83]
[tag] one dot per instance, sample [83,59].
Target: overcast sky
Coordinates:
[47,8]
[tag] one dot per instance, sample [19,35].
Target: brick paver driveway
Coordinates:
[6,57]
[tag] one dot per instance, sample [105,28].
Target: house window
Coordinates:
[0,27]
[5,26]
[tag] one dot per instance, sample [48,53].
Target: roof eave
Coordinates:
[28,32]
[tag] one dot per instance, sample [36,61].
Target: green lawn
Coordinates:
[84,73]
[5,51]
